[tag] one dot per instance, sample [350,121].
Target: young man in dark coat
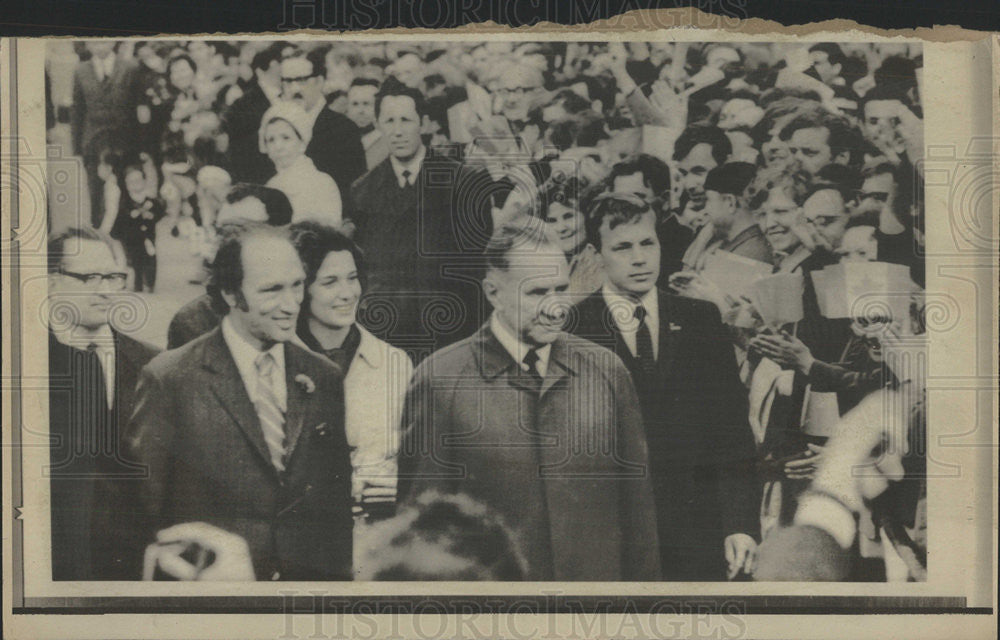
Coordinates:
[701,448]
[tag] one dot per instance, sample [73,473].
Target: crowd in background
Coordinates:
[762,164]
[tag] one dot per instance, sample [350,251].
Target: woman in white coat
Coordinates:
[377,374]
[285,131]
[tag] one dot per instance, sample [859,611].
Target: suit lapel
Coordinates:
[296,408]
[227,386]
[558,367]
[669,328]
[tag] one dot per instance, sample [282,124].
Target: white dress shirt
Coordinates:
[105,340]
[518,349]
[412,165]
[626,321]
[245,355]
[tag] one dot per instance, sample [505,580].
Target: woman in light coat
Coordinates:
[285,131]
[377,374]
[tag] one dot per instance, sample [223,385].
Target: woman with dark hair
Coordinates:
[563,216]
[376,374]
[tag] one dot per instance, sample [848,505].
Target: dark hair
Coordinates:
[57,243]
[393,87]
[883,92]
[655,172]
[572,102]
[899,72]
[837,177]
[226,272]
[314,241]
[877,169]
[703,134]
[178,57]
[364,82]
[617,208]
[525,234]
[113,157]
[226,50]
[834,54]
[866,219]
[732,178]
[276,203]
[263,60]
[473,538]
[842,136]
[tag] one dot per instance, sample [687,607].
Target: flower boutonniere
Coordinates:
[305,382]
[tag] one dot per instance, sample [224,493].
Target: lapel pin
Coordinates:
[675,327]
[305,382]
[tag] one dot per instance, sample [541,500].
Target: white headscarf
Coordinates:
[291,113]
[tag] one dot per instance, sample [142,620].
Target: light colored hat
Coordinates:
[291,113]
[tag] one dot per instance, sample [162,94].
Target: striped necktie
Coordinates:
[272,418]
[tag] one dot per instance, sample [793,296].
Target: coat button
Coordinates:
[276,575]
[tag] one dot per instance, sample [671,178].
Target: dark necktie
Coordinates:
[644,344]
[406,178]
[531,360]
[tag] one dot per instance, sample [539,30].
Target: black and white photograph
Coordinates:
[503,310]
[584,323]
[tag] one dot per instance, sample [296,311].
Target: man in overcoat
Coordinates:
[542,427]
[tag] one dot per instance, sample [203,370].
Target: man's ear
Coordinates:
[230,298]
[842,157]
[732,202]
[490,288]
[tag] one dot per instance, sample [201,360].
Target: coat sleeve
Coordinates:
[731,448]
[150,438]
[640,546]
[831,377]
[422,465]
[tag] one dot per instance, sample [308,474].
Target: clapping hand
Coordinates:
[784,349]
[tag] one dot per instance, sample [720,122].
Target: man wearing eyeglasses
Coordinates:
[92,373]
[335,146]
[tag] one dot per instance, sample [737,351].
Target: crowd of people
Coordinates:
[493,310]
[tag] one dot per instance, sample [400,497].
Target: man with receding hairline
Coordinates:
[243,429]
[537,424]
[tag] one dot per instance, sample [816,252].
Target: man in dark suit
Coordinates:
[539,425]
[701,448]
[241,121]
[335,147]
[244,203]
[244,430]
[422,240]
[92,374]
[104,113]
